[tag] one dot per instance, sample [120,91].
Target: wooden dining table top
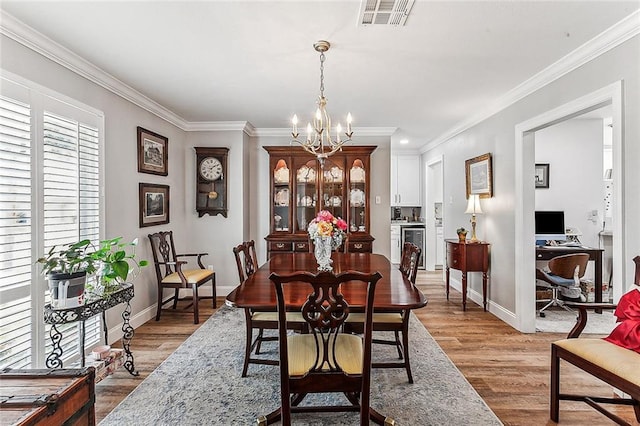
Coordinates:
[393,290]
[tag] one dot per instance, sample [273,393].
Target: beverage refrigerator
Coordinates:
[416,236]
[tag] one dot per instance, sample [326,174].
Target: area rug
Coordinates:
[561,321]
[200,384]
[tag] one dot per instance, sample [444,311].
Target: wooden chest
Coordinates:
[47,397]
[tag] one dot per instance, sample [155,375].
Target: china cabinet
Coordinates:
[300,188]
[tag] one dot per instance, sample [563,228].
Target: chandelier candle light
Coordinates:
[473,208]
[320,142]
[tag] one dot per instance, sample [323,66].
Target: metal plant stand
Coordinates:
[94,305]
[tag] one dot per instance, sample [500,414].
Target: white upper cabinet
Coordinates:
[405,180]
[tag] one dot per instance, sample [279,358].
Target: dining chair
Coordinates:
[325,360]
[564,271]
[247,264]
[171,272]
[395,321]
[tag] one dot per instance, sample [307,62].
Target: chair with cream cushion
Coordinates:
[613,364]
[172,272]
[247,264]
[324,360]
[396,321]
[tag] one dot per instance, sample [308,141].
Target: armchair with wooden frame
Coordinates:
[613,364]
[325,360]
[396,321]
[171,272]
[247,264]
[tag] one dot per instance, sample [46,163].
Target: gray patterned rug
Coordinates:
[200,384]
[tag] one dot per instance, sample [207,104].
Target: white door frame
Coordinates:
[525,260]
[430,238]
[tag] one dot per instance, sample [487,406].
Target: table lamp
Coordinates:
[473,208]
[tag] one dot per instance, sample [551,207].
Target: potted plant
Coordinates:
[116,259]
[66,268]
[462,234]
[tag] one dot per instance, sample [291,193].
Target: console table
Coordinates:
[468,257]
[94,305]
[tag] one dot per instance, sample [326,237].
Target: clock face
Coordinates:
[211,168]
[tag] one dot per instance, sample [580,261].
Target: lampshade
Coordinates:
[473,205]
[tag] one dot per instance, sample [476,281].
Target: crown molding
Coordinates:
[38,42]
[218,126]
[612,37]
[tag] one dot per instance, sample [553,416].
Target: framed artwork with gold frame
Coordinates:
[479,176]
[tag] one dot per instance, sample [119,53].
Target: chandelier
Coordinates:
[319,141]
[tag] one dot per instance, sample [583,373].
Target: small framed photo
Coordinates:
[479,176]
[542,175]
[153,204]
[152,153]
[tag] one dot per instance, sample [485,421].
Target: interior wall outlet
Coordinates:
[378,200]
[210,267]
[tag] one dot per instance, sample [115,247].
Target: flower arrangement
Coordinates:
[327,225]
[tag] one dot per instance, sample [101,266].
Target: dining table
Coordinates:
[393,292]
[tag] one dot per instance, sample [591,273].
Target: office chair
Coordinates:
[564,271]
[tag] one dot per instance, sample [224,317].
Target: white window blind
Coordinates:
[49,195]
[15,234]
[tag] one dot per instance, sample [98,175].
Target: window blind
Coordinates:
[49,195]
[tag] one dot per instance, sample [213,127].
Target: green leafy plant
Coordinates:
[116,259]
[112,260]
[69,259]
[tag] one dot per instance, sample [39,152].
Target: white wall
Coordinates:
[218,235]
[573,149]
[496,135]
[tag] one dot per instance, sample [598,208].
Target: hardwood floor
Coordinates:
[509,370]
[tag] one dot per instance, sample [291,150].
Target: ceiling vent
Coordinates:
[385,12]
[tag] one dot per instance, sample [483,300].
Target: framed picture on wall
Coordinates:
[542,175]
[152,153]
[153,204]
[479,176]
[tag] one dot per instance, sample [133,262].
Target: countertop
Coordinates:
[406,223]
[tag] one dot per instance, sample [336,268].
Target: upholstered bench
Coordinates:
[615,365]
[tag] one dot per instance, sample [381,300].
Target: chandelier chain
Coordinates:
[322,74]
[322,141]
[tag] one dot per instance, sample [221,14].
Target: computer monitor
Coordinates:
[550,226]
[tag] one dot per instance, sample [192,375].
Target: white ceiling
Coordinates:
[253,61]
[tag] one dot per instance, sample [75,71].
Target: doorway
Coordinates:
[525,194]
[434,205]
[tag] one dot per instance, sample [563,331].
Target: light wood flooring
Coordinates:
[509,370]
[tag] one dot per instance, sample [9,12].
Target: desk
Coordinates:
[595,254]
[393,290]
[468,257]
[94,305]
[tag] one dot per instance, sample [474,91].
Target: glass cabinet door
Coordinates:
[333,178]
[281,196]
[357,196]
[306,176]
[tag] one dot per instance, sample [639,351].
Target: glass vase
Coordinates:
[322,251]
